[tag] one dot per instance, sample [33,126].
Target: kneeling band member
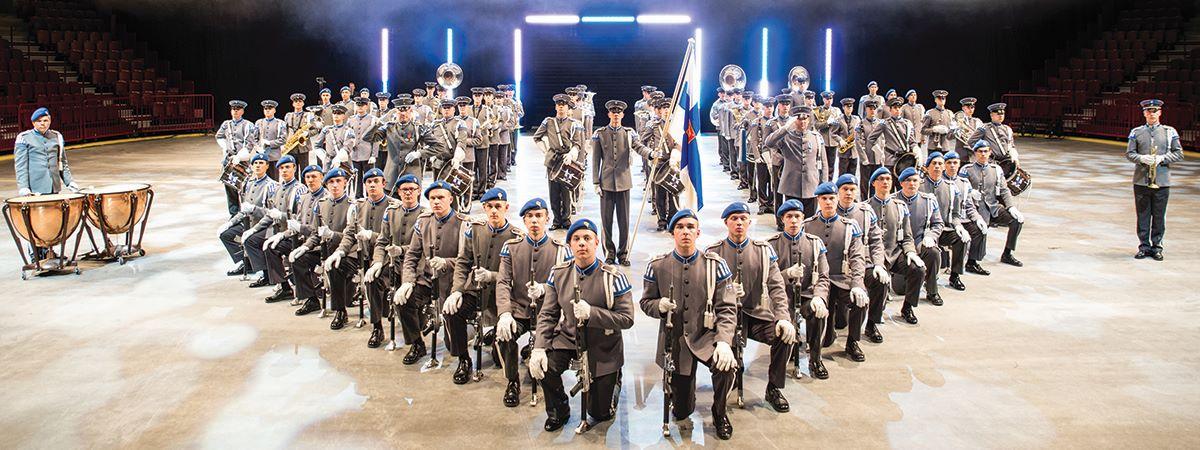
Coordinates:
[843,241]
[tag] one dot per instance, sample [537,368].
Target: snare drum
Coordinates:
[1018,179]
[903,162]
[569,173]
[460,179]
[235,175]
[669,180]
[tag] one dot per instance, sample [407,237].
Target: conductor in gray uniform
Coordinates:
[611,148]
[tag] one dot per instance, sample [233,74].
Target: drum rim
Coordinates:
[33,199]
[111,188]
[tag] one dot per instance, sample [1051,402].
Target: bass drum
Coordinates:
[568,173]
[669,180]
[903,162]
[1018,179]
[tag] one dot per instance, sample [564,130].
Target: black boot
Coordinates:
[376,336]
[873,334]
[416,351]
[238,270]
[817,369]
[552,424]
[776,400]
[908,314]
[463,373]
[975,268]
[1008,258]
[1142,254]
[312,304]
[723,426]
[512,394]
[935,299]
[956,282]
[339,320]
[284,292]
[854,352]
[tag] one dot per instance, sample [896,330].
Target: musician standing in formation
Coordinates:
[1153,147]
[612,147]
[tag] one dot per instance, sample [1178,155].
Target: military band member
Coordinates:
[347,101]
[868,144]
[937,125]
[758,175]
[473,293]
[582,293]
[900,251]
[966,216]
[802,264]
[503,121]
[281,202]
[965,125]
[587,115]
[925,219]
[875,272]
[914,112]
[803,155]
[291,203]
[871,95]
[843,131]
[761,295]
[643,111]
[612,148]
[989,190]
[423,112]
[828,128]
[847,263]
[694,285]
[716,115]
[383,106]
[518,111]
[434,95]
[525,264]
[999,137]
[391,244]
[560,138]
[254,196]
[269,135]
[236,139]
[666,151]
[741,166]
[472,142]
[297,118]
[300,228]
[354,250]
[1153,147]
[366,94]
[332,215]
[326,113]
[885,112]
[410,144]
[949,200]
[428,270]
[363,149]
[898,134]
[40,159]
[774,157]
[335,141]
[384,114]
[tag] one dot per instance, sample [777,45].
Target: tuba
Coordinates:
[731,77]
[798,79]
[449,75]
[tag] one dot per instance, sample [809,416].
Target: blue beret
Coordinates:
[980,144]
[326,91]
[877,173]
[825,188]
[680,215]
[494,194]
[334,173]
[311,168]
[910,92]
[889,91]
[735,208]
[581,224]
[286,159]
[374,172]
[533,205]
[38,113]
[908,173]
[260,156]
[932,155]
[846,178]
[345,89]
[790,205]
[950,155]
[364,90]
[408,178]
[439,184]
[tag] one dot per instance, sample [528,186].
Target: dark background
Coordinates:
[256,49]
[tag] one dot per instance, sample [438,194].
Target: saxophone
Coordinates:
[297,138]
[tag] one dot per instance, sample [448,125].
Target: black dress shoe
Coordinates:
[376,337]
[956,282]
[975,268]
[854,352]
[909,315]
[260,282]
[311,305]
[723,426]
[776,400]
[339,320]
[512,394]
[817,369]
[661,227]
[1142,254]
[1008,258]
[624,261]
[873,334]
[463,373]
[415,352]
[610,260]
[1158,256]
[284,292]
[237,271]
[935,299]
[553,424]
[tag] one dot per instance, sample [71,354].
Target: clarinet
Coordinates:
[390,298]
[478,313]
[739,343]
[434,324]
[668,364]
[583,374]
[533,309]
[796,318]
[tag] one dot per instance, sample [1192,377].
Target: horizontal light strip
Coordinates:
[607,19]
[664,18]
[552,19]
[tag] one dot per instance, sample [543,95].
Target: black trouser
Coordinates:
[906,279]
[413,313]
[508,350]
[301,160]
[360,168]
[1151,207]
[341,283]
[1003,218]
[933,264]
[777,197]
[814,328]
[254,251]
[560,203]
[764,331]
[377,296]
[481,170]
[864,175]
[760,189]
[503,157]
[381,159]
[615,202]
[684,386]
[512,148]
[848,165]
[666,205]
[272,171]
[838,300]
[833,164]
[277,260]
[232,200]
[602,400]
[723,151]
[958,248]
[308,283]
[977,235]
[456,324]
[230,237]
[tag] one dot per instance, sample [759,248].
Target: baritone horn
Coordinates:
[798,79]
[732,77]
[449,75]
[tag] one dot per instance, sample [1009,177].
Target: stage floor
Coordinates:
[1082,347]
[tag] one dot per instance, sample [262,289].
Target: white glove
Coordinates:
[452,303]
[859,297]
[666,305]
[786,331]
[583,311]
[723,357]
[403,292]
[298,252]
[334,260]
[275,214]
[599,191]
[982,224]
[1016,214]
[437,263]
[410,157]
[324,232]
[882,274]
[340,158]
[915,260]
[928,241]
[371,160]
[364,235]
[373,272]
[25,191]
[484,276]
[819,308]
[395,251]
[459,156]
[225,226]
[536,290]
[246,235]
[939,129]
[247,208]
[506,327]
[795,272]
[242,155]
[962,232]
[294,225]
[674,159]
[537,363]
[73,187]
[573,154]
[1158,159]
[272,241]
[738,290]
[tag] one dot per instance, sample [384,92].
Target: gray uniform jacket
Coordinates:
[808,251]
[333,139]
[753,264]
[559,135]
[843,240]
[286,198]
[469,136]
[914,113]
[522,260]
[868,142]
[611,148]
[271,134]
[934,117]
[364,128]
[924,215]
[701,286]
[803,156]
[434,236]
[894,226]
[39,160]
[368,215]
[949,199]
[999,137]
[396,229]
[235,135]
[872,234]
[332,213]
[608,292]
[989,188]
[294,120]
[828,128]
[1163,140]
[898,139]
[481,248]
[257,192]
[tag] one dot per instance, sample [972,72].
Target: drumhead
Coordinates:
[117,188]
[44,198]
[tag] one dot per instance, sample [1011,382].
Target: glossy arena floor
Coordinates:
[1082,347]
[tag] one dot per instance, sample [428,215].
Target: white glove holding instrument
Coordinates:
[795,272]
[859,297]
[484,276]
[1016,214]
[786,331]
[395,251]
[537,363]
[506,327]
[294,225]
[915,260]
[247,208]
[674,159]
[297,253]
[982,224]
[666,305]
[411,156]
[738,290]
[583,310]
[373,272]
[882,274]
[928,241]
[26,191]
[403,292]
[723,357]
[364,235]
[324,232]
[573,154]
[940,129]
[459,156]
[536,290]
[437,263]
[371,161]
[452,303]
[276,214]
[1145,159]
[820,310]
[334,260]
[241,156]
[962,232]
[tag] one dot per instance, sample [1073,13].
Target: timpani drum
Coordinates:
[45,221]
[119,209]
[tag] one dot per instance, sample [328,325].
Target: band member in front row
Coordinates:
[428,268]
[317,239]
[612,147]
[304,263]
[333,215]
[1153,147]
[297,118]
[40,160]
[925,219]
[847,263]
[665,149]
[875,272]
[761,295]
[281,203]
[964,212]
[949,200]
[900,251]
[297,208]
[595,297]
[391,244]
[473,294]
[270,134]
[236,139]
[560,138]
[803,153]
[989,190]
[525,264]
[804,267]
[254,196]
[356,247]
[692,288]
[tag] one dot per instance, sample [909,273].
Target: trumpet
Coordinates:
[1153,174]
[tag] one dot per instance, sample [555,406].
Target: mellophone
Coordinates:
[46,221]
